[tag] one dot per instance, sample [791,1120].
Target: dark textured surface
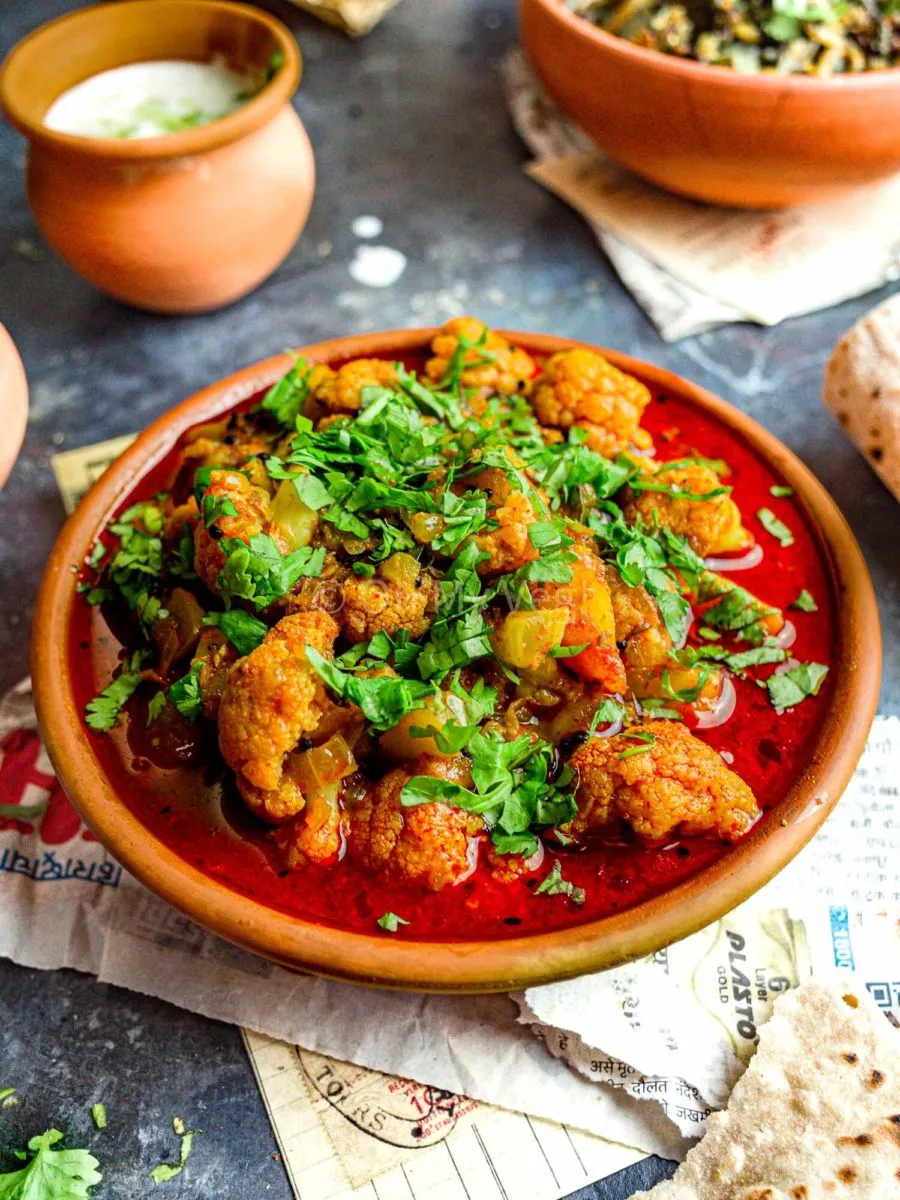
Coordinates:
[409,125]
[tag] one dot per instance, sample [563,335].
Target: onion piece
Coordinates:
[787,635]
[724,708]
[741,562]
[323,765]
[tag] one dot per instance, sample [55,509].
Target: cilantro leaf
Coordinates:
[383,699]
[775,526]
[186,695]
[51,1174]
[608,712]
[245,632]
[805,602]
[98,1113]
[103,711]
[166,1171]
[390,922]
[779,489]
[554,885]
[156,706]
[789,688]
[260,573]
[215,507]
[644,737]
[286,398]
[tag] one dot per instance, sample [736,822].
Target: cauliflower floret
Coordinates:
[640,631]
[580,388]
[427,844]
[674,782]
[711,526]
[507,370]
[271,700]
[316,836]
[341,391]
[399,596]
[508,545]
[253,508]
[591,620]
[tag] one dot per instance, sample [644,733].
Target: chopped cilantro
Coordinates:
[567,651]
[733,609]
[166,1171]
[608,712]
[805,602]
[286,398]
[775,527]
[383,699]
[103,711]
[554,885]
[98,1112]
[51,1174]
[643,736]
[215,507]
[676,491]
[390,922]
[779,489]
[259,572]
[185,694]
[789,688]
[245,632]
[156,706]
[512,790]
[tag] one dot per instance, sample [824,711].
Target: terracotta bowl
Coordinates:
[463,966]
[711,133]
[181,223]
[13,404]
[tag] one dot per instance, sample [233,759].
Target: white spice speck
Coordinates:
[377,266]
[367,227]
[323,249]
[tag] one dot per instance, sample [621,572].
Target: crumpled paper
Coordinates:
[691,266]
[355,17]
[66,903]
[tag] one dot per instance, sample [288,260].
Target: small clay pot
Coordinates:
[185,222]
[13,404]
[456,966]
[712,133]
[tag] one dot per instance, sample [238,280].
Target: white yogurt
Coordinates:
[149,99]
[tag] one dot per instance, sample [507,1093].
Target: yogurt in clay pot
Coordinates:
[149,99]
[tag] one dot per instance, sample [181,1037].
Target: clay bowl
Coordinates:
[13,404]
[462,966]
[181,223]
[709,132]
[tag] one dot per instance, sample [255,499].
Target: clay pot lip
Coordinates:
[236,125]
[470,966]
[688,69]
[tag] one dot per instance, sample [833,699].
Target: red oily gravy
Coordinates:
[192,811]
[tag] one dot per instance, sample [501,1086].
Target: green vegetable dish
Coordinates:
[782,37]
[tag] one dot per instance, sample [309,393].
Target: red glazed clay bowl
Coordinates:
[468,966]
[752,141]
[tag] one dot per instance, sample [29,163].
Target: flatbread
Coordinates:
[816,1116]
[862,388]
[355,17]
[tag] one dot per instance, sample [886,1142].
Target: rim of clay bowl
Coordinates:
[28,117]
[717,76]
[464,966]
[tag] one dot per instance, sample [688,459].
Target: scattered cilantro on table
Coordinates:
[166,1171]
[51,1174]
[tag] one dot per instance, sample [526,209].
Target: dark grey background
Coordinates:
[410,125]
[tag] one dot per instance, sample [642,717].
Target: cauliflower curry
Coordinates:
[457,645]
